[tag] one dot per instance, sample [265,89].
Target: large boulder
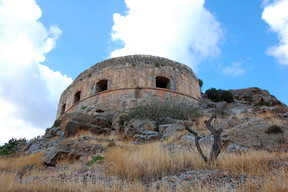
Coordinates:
[73,127]
[145,135]
[118,122]
[70,149]
[141,130]
[167,130]
[50,155]
[102,120]
[72,123]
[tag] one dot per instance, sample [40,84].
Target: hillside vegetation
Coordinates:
[149,149]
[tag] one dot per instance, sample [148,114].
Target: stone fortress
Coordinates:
[123,82]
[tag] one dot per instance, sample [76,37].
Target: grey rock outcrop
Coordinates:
[245,124]
[169,129]
[232,147]
[141,130]
[118,123]
[144,135]
[74,122]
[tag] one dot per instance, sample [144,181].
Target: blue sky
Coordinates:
[44,45]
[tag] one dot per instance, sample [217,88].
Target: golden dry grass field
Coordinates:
[129,167]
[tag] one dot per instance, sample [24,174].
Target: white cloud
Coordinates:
[235,69]
[182,30]
[275,14]
[29,91]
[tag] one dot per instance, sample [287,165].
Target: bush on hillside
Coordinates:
[219,95]
[157,110]
[200,83]
[11,146]
[263,103]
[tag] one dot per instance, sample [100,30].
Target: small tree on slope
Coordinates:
[216,147]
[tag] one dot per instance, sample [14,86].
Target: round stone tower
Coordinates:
[123,82]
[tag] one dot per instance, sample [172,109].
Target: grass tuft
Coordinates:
[149,161]
[97,158]
[16,163]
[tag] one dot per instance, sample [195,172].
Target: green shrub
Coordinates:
[11,146]
[219,95]
[200,83]
[263,103]
[157,110]
[84,107]
[97,158]
[227,96]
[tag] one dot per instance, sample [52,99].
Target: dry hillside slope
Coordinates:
[107,151]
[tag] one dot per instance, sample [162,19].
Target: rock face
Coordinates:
[254,96]
[169,129]
[71,149]
[248,119]
[72,123]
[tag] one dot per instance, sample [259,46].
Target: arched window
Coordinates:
[77,96]
[101,85]
[162,82]
[63,109]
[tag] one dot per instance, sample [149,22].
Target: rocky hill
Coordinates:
[255,121]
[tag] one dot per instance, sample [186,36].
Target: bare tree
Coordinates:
[216,147]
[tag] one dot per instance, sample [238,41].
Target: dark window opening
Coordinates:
[162,82]
[63,109]
[101,85]
[77,97]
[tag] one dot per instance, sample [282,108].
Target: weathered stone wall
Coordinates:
[124,76]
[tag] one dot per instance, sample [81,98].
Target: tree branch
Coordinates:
[216,147]
[208,124]
[197,142]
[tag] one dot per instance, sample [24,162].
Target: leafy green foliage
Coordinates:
[97,158]
[263,103]
[157,110]
[84,107]
[200,83]
[218,95]
[11,146]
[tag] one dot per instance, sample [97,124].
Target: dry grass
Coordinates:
[153,160]
[277,182]
[82,133]
[10,184]
[250,162]
[148,161]
[16,163]
[135,165]
[175,138]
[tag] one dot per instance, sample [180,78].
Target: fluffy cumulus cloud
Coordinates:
[29,90]
[275,14]
[235,69]
[182,30]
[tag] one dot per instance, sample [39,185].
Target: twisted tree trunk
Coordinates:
[216,147]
